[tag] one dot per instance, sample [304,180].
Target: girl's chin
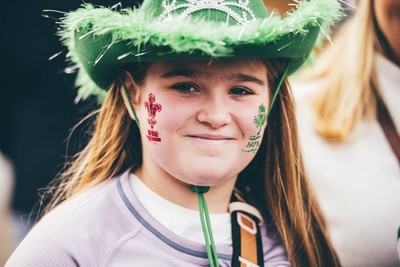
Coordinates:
[206,179]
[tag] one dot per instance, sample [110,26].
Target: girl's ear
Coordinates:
[130,94]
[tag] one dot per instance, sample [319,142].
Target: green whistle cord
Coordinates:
[278,88]
[206,225]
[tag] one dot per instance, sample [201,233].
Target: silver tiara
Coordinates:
[243,16]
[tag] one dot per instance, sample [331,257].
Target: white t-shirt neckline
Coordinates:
[180,220]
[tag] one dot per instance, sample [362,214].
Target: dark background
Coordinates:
[37,108]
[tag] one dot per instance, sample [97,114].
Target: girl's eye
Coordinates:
[185,88]
[241,91]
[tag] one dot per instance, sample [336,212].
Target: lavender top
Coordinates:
[108,226]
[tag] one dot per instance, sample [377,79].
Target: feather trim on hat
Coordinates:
[213,39]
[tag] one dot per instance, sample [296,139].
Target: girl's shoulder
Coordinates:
[78,232]
[83,210]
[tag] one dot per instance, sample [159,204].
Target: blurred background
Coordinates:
[37,111]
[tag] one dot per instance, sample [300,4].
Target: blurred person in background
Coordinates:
[6,188]
[348,106]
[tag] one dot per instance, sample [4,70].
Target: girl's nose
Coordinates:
[214,112]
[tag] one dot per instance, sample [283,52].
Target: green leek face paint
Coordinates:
[255,140]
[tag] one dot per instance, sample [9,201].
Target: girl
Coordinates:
[182,169]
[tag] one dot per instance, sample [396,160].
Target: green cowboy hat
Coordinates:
[101,41]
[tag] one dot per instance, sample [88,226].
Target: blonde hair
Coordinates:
[346,70]
[275,177]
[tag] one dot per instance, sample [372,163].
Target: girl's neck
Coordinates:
[177,192]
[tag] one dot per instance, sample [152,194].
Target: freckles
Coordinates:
[259,121]
[152,109]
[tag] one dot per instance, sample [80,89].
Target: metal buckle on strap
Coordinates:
[246,236]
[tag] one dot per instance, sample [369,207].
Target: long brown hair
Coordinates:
[286,194]
[275,176]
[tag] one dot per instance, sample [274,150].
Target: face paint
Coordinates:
[255,140]
[152,108]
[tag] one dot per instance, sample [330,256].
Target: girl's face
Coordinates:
[387,14]
[202,123]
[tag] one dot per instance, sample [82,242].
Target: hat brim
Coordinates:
[102,41]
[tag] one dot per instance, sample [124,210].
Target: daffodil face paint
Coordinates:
[152,109]
[255,140]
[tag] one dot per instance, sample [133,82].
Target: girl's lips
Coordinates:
[210,137]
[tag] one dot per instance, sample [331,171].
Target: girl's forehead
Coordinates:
[209,69]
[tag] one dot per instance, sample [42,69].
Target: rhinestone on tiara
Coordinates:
[191,6]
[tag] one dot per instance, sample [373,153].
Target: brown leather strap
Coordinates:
[246,236]
[388,127]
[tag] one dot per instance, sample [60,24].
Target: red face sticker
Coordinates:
[152,108]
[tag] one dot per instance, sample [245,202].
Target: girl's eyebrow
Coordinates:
[238,77]
[183,72]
